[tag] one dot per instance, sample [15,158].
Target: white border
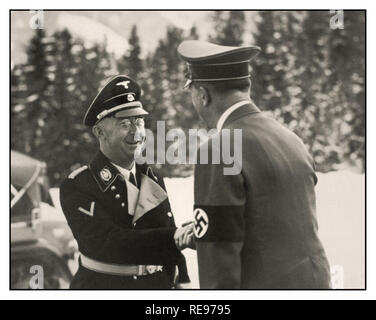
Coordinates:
[173,295]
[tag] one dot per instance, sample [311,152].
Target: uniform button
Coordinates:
[117,196]
[169,214]
[134,277]
[123,204]
[113,188]
[134,224]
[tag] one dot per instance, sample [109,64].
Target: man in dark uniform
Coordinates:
[119,211]
[257,228]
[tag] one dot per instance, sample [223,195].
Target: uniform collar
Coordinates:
[228,112]
[105,173]
[126,172]
[241,109]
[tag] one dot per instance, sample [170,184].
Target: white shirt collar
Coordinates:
[227,113]
[125,172]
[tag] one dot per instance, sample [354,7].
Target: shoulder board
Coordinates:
[77,172]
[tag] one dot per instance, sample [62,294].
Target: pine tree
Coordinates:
[79,73]
[311,78]
[268,87]
[193,34]
[347,62]
[92,69]
[131,63]
[163,91]
[37,107]
[290,77]
[229,28]
[59,121]
[18,112]
[50,95]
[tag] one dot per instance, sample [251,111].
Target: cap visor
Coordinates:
[126,113]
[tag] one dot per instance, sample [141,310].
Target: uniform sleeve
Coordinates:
[99,238]
[219,226]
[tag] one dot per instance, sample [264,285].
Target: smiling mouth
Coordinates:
[132,142]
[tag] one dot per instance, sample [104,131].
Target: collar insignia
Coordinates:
[106,174]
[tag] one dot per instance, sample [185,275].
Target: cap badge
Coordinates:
[130,97]
[106,174]
[124,84]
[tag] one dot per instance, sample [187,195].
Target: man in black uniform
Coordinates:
[119,211]
[255,228]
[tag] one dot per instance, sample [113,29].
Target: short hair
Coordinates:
[101,125]
[227,85]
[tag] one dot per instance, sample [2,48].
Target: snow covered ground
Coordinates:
[341,215]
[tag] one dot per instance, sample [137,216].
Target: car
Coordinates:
[40,249]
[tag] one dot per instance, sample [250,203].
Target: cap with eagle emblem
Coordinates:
[211,62]
[120,97]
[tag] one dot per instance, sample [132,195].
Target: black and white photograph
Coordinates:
[187,150]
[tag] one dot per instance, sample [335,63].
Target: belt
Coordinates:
[119,269]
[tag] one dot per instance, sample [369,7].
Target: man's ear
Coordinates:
[98,132]
[205,96]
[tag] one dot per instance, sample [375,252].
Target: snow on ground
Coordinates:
[341,216]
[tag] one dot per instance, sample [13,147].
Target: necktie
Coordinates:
[132,179]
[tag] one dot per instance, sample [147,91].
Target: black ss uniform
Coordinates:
[95,203]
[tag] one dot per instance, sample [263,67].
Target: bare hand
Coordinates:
[184,237]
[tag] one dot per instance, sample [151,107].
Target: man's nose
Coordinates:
[133,128]
[136,133]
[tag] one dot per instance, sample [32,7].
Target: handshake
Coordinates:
[184,236]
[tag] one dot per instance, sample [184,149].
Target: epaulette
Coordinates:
[77,172]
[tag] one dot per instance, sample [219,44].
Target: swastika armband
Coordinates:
[201,222]
[219,223]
